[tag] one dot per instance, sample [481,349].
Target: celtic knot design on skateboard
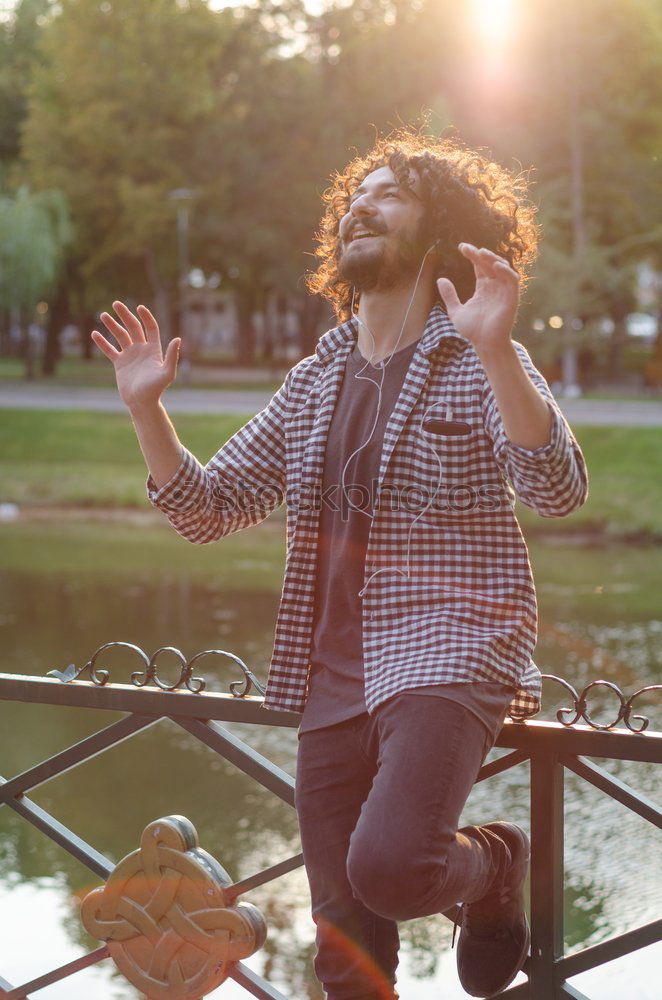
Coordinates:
[164,914]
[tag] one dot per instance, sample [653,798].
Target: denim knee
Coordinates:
[393,885]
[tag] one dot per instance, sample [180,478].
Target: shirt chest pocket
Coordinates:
[428,455]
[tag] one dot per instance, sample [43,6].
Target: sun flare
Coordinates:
[494,18]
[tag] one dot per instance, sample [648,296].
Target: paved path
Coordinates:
[618,412]
[246,401]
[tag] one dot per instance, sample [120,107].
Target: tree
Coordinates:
[19,36]
[252,108]
[120,115]
[34,231]
[578,96]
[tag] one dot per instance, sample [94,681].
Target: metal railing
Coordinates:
[551,748]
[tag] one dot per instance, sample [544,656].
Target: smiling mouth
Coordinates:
[363,236]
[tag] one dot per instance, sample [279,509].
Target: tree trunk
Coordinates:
[162,309]
[618,308]
[5,340]
[245,307]
[78,311]
[26,345]
[87,322]
[58,316]
[310,315]
[617,342]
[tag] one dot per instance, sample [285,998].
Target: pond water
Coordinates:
[68,586]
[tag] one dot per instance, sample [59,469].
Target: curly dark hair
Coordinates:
[468,198]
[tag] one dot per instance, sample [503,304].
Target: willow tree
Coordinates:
[34,231]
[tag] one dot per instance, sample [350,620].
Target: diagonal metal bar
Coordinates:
[62,835]
[242,756]
[20,992]
[261,878]
[571,992]
[520,992]
[616,788]
[5,987]
[62,762]
[502,764]
[607,951]
[255,985]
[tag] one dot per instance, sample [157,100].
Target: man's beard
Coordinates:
[378,270]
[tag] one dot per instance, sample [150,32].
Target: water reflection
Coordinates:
[600,624]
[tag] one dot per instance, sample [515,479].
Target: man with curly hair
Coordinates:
[408,615]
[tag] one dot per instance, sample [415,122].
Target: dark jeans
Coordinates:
[379,799]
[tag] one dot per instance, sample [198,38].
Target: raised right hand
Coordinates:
[141,369]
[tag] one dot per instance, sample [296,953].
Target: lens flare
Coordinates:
[363,965]
[494,19]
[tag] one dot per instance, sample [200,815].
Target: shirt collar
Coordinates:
[437,328]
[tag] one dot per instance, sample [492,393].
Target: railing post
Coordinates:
[546,873]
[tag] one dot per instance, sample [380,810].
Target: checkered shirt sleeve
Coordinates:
[551,479]
[243,483]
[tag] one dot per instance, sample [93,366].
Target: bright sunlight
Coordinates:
[494,19]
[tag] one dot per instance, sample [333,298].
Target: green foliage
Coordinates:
[592,76]
[117,115]
[252,108]
[34,230]
[18,54]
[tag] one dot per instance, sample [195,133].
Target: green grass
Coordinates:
[93,459]
[90,459]
[625,489]
[70,371]
[624,395]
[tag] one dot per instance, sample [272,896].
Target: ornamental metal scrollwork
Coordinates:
[249,681]
[171,928]
[149,675]
[580,708]
[240,689]
[628,708]
[100,677]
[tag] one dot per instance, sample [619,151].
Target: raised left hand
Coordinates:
[487,318]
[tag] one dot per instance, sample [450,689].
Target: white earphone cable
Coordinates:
[360,376]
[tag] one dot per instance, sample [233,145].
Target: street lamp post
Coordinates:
[183,198]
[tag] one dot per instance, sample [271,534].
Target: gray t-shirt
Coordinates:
[335,684]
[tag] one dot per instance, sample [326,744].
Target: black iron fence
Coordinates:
[550,748]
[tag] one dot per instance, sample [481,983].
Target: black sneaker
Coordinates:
[494,936]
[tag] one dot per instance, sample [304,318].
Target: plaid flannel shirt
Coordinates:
[450,593]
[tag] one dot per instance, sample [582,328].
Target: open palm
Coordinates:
[487,318]
[142,371]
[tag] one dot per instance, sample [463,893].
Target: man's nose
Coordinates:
[361,205]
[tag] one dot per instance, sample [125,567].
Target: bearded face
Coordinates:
[383,236]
